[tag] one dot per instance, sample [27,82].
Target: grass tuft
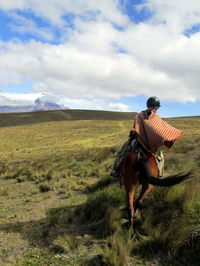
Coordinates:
[66,243]
[86,201]
[102,209]
[117,249]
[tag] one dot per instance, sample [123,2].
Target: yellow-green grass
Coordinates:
[54,176]
[46,139]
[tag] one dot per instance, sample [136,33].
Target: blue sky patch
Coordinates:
[24,25]
[194,29]
[118,27]
[25,88]
[69,19]
[167,109]
[5,32]
[135,10]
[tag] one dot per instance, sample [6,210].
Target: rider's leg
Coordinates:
[119,158]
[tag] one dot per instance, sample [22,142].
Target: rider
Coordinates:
[149,133]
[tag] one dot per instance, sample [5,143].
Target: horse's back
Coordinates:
[130,170]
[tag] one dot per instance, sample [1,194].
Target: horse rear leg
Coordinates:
[146,188]
[130,197]
[131,211]
[131,180]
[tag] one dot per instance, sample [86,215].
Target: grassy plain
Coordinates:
[60,207]
[16,119]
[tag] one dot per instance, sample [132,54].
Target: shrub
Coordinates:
[44,187]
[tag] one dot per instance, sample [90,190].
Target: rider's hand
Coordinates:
[168,144]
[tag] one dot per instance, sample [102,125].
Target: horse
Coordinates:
[144,171]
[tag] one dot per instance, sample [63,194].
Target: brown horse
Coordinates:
[145,172]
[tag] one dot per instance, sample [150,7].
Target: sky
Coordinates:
[102,55]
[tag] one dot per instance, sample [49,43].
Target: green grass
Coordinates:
[15,119]
[60,207]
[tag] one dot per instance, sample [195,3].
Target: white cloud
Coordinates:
[84,103]
[16,99]
[72,69]
[55,10]
[5,101]
[178,15]
[10,4]
[89,69]
[119,107]
[98,104]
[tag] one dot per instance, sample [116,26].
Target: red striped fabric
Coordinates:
[153,131]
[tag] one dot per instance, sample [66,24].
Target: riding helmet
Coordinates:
[153,102]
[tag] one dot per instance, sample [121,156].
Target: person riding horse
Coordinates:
[140,159]
[149,134]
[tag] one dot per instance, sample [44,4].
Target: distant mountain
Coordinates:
[44,103]
[14,109]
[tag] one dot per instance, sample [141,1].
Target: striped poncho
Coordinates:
[153,131]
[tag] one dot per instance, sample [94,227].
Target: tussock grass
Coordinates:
[101,209]
[67,243]
[84,204]
[117,249]
[169,223]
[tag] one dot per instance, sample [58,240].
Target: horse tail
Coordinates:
[168,181]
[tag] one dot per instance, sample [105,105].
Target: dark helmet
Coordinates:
[153,102]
